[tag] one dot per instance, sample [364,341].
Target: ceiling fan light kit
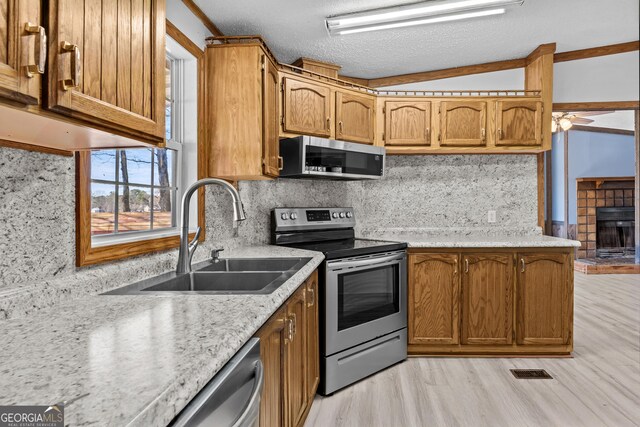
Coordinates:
[430,12]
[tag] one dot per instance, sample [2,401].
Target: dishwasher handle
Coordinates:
[253,406]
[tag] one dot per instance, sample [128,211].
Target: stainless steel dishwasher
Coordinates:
[232,397]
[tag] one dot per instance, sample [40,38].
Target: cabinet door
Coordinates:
[270,131]
[307,108]
[272,343]
[313,339]
[519,123]
[434,295]
[487,299]
[544,304]
[107,63]
[296,356]
[407,123]
[355,117]
[23,50]
[463,123]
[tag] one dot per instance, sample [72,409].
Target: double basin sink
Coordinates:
[223,276]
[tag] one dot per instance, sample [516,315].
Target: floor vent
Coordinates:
[531,374]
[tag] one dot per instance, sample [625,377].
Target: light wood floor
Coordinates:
[600,386]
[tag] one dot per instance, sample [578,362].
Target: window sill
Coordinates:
[113,252]
[101,241]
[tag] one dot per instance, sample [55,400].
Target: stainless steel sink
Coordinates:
[227,276]
[252,264]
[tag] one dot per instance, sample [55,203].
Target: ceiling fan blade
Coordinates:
[591,113]
[581,121]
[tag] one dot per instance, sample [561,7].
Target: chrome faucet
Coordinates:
[187,249]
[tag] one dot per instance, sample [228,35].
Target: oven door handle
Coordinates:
[369,262]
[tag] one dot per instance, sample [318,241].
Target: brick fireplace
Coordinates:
[595,194]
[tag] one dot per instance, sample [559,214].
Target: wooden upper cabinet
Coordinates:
[296,356]
[434,295]
[307,107]
[272,341]
[355,117]
[313,339]
[519,123]
[242,112]
[107,63]
[23,50]
[544,299]
[463,123]
[407,123]
[487,299]
[270,129]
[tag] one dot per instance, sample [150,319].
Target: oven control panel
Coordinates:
[313,218]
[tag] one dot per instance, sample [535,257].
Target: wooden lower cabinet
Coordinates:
[273,336]
[313,339]
[544,299]
[434,298]
[490,301]
[487,299]
[289,352]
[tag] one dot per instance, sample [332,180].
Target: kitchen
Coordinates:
[425,190]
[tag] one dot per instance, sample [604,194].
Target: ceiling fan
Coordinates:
[565,120]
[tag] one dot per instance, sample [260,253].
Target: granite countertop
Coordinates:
[416,239]
[133,359]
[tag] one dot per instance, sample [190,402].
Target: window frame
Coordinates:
[86,254]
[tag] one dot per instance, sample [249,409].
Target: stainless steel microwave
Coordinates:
[321,158]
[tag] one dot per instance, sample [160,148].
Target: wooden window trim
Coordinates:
[88,255]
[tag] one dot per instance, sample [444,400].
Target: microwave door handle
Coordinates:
[369,262]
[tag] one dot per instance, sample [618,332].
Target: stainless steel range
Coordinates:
[363,293]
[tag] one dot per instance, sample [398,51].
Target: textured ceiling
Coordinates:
[295,28]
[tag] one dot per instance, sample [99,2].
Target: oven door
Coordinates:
[365,298]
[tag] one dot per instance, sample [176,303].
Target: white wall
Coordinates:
[508,79]
[591,154]
[605,78]
[187,22]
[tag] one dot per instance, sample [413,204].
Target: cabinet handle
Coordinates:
[466,265]
[483,132]
[293,326]
[455,266]
[312,294]
[280,163]
[427,134]
[522,265]
[290,327]
[499,134]
[340,127]
[75,65]
[40,55]
[328,123]
[439,137]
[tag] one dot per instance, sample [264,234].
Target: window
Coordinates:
[128,198]
[134,191]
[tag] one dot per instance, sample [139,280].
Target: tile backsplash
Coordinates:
[37,214]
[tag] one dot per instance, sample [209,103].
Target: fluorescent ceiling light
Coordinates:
[446,18]
[412,14]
